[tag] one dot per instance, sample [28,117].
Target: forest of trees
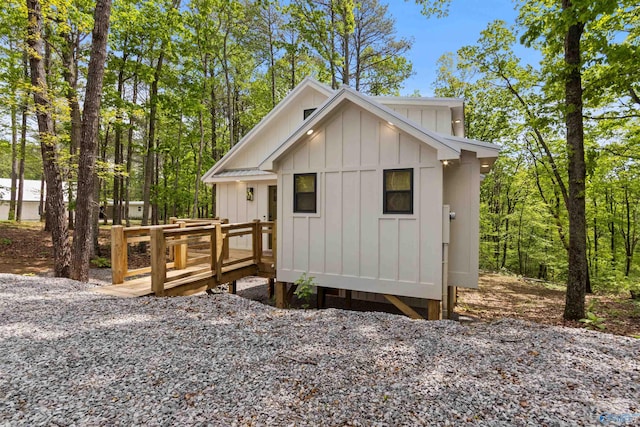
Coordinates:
[184,80]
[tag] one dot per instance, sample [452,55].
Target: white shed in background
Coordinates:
[135,209]
[361,188]
[30,199]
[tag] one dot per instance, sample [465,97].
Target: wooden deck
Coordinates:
[194,279]
[188,258]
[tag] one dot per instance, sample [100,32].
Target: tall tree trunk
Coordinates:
[129,161]
[345,61]
[156,184]
[151,150]
[14,163]
[292,61]
[55,203]
[117,152]
[198,167]
[83,235]
[70,74]
[577,277]
[272,55]
[216,152]
[176,169]
[227,80]
[23,147]
[332,50]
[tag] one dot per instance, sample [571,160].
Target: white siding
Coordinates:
[349,243]
[250,155]
[435,118]
[232,203]
[462,193]
[29,211]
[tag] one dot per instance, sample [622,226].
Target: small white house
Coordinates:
[362,189]
[30,199]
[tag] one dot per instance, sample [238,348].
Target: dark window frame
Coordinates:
[307,112]
[385,192]
[296,209]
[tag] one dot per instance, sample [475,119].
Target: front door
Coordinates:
[273,208]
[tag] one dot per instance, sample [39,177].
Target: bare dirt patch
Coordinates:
[25,249]
[501,296]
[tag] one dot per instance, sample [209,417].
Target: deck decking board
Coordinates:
[195,278]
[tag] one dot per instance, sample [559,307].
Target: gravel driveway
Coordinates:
[69,356]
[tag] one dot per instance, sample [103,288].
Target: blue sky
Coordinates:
[433,37]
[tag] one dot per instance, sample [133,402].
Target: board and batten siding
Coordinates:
[349,243]
[232,204]
[462,194]
[437,119]
[251,155]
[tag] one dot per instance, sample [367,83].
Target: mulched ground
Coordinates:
[27,249]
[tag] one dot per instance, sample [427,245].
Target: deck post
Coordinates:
[257,242]
[270,289]
[281,294]
[158,261]
[212,251]
[274,244]
[218,255]
[233,287]
[118,254]
[180,251]
[433,309]
[321,297]
[451,301]
[225,249]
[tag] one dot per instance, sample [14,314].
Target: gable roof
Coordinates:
[308,82]
[446,149]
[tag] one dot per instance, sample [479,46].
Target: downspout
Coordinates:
[447,306]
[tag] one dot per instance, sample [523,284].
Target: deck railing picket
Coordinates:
[257,241]
[180,251]
[219,251]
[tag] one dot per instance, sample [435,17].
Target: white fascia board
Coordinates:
[245,178]
[482,149]
[312,120]
[418,101]
[307,82]
[446,151]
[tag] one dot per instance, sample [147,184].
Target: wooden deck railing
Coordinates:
[173,248]
[122,237]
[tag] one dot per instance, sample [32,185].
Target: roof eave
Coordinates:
[444,150]
[261,177]
[306,82]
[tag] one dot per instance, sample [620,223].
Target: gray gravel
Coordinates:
[69,356]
